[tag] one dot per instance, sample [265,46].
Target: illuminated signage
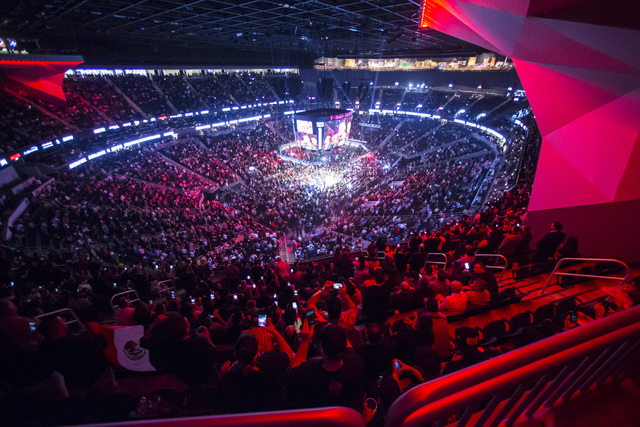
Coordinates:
[304,126]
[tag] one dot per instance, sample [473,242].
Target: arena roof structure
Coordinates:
[225,31]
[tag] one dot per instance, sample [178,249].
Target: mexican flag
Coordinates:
[124,347]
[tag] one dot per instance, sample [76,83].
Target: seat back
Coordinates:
[518,321]
[495,329]
[543,312]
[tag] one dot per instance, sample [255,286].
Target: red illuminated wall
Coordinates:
[41,73]
[579,62]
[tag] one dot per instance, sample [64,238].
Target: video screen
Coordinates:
[336,133]
[323,133]
[305,136]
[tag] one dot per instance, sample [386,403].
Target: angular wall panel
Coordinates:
[579,63]
[557,176]
[41,73]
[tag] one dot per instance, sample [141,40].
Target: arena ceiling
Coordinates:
[255,28]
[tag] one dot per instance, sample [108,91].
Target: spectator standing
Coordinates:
[441,340]
[254,383]
[335,379]
[547,246]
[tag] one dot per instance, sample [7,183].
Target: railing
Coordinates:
[439,254]
[501,268]
[329,417]
[68,315]
[524,380]
[130,291]
[555,272]
[166,290]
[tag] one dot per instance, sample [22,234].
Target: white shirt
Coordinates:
[453,304]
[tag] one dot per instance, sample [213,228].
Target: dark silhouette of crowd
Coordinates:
[257,282]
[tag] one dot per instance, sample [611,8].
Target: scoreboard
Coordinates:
[322,129]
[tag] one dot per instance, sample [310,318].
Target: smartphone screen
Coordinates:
[466,265]
[294,305]
[311,316]
[193,301]
[235,297]
[262,320]
[337,285]
[398,366]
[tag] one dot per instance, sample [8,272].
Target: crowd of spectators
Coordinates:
[390,98]
[237,326]
[444,134]
[212,91]
[178,93]
[148,165]
[247,152]
[459,101]
[412,99]
[257,85]
[235,87]
[288,86]
[141,91]
[22,124]
[269,335]
[100,93]
[207,164]
[435,100]
[410,131]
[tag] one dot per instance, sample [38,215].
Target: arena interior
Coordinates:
[328,212]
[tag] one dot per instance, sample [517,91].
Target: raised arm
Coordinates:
[282,344]
[306,334]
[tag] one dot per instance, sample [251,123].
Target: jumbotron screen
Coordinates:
[323,129]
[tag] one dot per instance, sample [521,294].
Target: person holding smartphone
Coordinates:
[405,375]
[347,318]
[255,382]
[336,379]
[18,328]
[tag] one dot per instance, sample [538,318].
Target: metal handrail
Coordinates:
[443,263]
[502,268]
[168,289]
[130,291]
[76,319]
[544,371]
[588,347]
[330,417]
[555,272]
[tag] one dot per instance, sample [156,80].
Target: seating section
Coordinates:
[211,270]
[179,93]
